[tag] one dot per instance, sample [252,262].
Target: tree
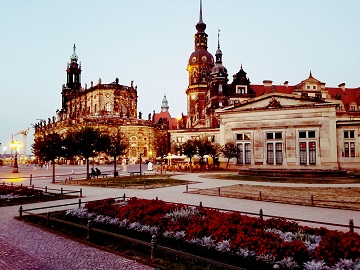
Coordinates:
[49,148]
[87,142]
[229,151]
[189,149]
[117,146]
[214,151]
[162,145]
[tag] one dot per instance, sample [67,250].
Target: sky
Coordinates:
[150,42]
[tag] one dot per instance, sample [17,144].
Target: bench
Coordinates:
[103,175]
[134,173]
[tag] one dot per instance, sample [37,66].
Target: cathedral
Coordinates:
[109,107]
[307,126]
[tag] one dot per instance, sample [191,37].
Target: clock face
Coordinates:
[194,59]
[204,58]
[193,96]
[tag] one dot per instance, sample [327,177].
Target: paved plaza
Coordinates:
[27,247]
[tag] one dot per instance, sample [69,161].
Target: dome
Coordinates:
[200,57]
[219,68]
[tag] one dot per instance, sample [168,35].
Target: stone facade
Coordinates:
[108,107]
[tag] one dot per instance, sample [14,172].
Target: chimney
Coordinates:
[342,86]
[267,82]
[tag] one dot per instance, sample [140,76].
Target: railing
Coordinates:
[60,191]
[261,214]
[261,196]
[154,247]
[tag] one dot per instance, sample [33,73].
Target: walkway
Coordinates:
[27,247]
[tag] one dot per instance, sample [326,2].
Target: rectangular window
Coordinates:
[279,155]
[302,134]
[241,154]
[270,153]
[352,149]
[239,137]
[312,153]
[346,149]
[303,158]
[247,153]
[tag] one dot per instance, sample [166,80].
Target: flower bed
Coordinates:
[16,192]
[278,243]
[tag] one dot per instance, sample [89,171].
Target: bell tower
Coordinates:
[199,67]
[73,80]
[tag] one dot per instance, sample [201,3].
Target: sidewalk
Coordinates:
[31,248]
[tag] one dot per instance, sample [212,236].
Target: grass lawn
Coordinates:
[335,197]
[137,182]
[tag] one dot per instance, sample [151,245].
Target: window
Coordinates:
[220,88]
[244,148]
[349,143]
[220,104]
[107,107]
[274,146]
[307,147]
[241,89]
[244,156]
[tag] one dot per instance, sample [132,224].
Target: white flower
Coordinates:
[134,226]
[315,265]
[185,212]
[268,258]
[168,234]
[244,252]
[347,264]
[286,263]
[223,246]
[179,235]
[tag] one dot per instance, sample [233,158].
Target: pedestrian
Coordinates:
[35,168]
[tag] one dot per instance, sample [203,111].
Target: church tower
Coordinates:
[73,82]
[217,89]
[199,67]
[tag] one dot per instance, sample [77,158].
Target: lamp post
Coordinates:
[15,144]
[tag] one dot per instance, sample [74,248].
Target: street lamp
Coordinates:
[15,145]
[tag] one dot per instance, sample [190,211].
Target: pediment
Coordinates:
[276,101]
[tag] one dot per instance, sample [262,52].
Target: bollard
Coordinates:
[12,183]
[45,189]
[312,199]
[261,214]
[79,203]
[20,212]
[351,225]
[48,219]
[260,196]
[187,188]
[218,191]
[124,197]
[80,192]
[33,186]
[61,190]
[107,183]
[30,179]
[21,185]
[156,199]
[144,185]
[89,225]
[153,247]
[200,204]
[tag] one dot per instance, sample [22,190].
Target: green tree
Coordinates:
[189,149]
[117,146]
[229,151]
[162,145]
[87,142]
[49,148]
[214,151]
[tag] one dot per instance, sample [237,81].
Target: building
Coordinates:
[303,126]
[108,107]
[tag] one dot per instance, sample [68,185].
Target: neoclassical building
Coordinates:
[303,126]
[108,107]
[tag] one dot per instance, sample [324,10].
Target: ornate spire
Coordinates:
[165,104]
[74,57]
[200,26]
[218,54]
